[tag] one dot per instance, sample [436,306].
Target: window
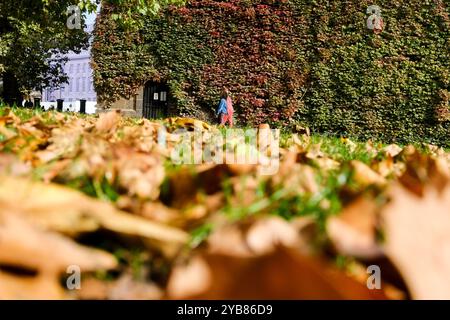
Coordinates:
[78,85]
[163,95]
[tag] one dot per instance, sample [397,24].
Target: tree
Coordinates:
[34,36]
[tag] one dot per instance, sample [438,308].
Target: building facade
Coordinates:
[153,100]
[80,84]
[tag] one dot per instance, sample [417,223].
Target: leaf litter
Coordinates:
[101,193]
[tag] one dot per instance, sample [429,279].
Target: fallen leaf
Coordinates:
[108,121]
[189,279]
[353,231]
[266,234]
[417,239]
[26,246]
[44,287]
[254,237]
[365,176]
[69,211]
[282,274]
[187,123]
[392,150]
[422,170]
[127,288]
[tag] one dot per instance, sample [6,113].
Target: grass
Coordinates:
[275,200]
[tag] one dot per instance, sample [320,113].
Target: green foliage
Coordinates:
[387,86]
[292,61]
[130,12]
[200,234]
[33,38]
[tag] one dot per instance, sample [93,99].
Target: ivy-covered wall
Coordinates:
[292,61]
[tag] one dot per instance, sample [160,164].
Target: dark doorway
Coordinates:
[156,100]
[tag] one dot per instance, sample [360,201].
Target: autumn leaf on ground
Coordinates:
[97,186]
[417,239]
[65,210]
[48,254]
[282,274]
[365,176]
[353,231]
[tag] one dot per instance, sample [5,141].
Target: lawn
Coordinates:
[107,197]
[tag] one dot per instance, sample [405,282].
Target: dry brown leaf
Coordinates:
[187,123]
[69,211]
[252,238]
[384,167]
[244,190]
[389,168]
[24,245]
[41,287]
[7,133]
[422,170]
[358,272]
[127,288]
[92,289]
[266,234]
[63,142]
[370,148]
[156,211]
[214,202]
[365,176]
[11,165]
[282,274]
[417,239]
[189,279]
[108,121]
[55,169]
[241,169]
[141,174]
[314,151]
[392,150]
[46,255]
[326,163]
[228,239]
[295,176]
[298,143]
[353,231]
[124,288]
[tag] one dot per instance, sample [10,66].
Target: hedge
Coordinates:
[287,62]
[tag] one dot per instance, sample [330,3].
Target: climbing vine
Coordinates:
[292,61]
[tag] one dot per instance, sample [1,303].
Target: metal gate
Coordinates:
[155,100]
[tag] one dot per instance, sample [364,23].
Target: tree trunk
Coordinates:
[11,94]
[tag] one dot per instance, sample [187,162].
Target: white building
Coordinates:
[80,84]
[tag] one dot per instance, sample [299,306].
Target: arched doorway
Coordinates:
[156,100]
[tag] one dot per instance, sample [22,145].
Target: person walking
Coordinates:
[230,109]
[225,110]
